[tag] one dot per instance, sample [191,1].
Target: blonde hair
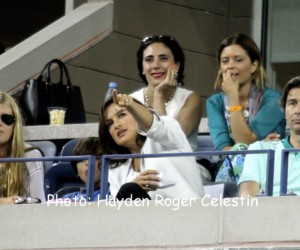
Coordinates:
[259,77]
[13,175]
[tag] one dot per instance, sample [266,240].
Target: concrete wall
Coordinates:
[199,26]
[261,223]
[65,38]
[283,41]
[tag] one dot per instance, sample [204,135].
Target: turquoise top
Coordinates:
[269,118]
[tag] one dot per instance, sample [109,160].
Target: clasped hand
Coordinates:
[170,80]
[148,180]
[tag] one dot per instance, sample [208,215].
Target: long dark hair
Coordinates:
[108,145]
[170,43]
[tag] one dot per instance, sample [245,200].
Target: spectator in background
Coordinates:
[87,146]
[246,110]
[254,174]
[160,62]
[17,178]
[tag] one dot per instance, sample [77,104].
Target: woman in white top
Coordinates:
[126,127]
[17,178]
[160,62]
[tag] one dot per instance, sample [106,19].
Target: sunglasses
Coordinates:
[149,39]
[8,119]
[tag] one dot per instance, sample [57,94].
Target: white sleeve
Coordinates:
[166,131]
[36,175]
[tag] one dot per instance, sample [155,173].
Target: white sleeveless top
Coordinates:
[173,109]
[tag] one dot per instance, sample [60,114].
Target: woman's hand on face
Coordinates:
[230,83]
[123,100]
[170,80]
[148,180]
[272,137]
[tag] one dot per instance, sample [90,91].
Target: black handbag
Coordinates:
[40,94]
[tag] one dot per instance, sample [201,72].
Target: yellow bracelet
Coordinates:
[235,108]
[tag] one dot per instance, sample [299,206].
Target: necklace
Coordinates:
[147,99]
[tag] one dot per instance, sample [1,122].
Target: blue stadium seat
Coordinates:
[61,174]
[209,162]
[67,149]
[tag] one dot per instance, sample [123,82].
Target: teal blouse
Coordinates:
[269,118]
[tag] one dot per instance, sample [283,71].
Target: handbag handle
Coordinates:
[62,69]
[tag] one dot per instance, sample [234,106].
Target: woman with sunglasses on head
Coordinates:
[246,110]
[17,178]
[160,62]
[128,127]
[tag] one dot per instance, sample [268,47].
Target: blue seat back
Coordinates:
[61,174]
[205,143]
[67,149]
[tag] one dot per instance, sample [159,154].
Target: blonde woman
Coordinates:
[17,178]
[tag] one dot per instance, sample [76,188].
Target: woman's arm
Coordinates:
[8,200]
[217,123]
[190,114]
[240,129]
[36,176]
[241,132]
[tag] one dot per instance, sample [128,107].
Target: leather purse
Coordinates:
[41,93]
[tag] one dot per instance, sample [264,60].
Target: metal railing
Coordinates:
[106,158]
[91,166]
[284,170]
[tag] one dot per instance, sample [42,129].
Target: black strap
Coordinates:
[46,71]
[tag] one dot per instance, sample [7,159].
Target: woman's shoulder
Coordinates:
[270,92]
[216,98]
[184,90]
[31,151]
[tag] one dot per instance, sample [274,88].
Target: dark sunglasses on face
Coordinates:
[8,119]
[150,39]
